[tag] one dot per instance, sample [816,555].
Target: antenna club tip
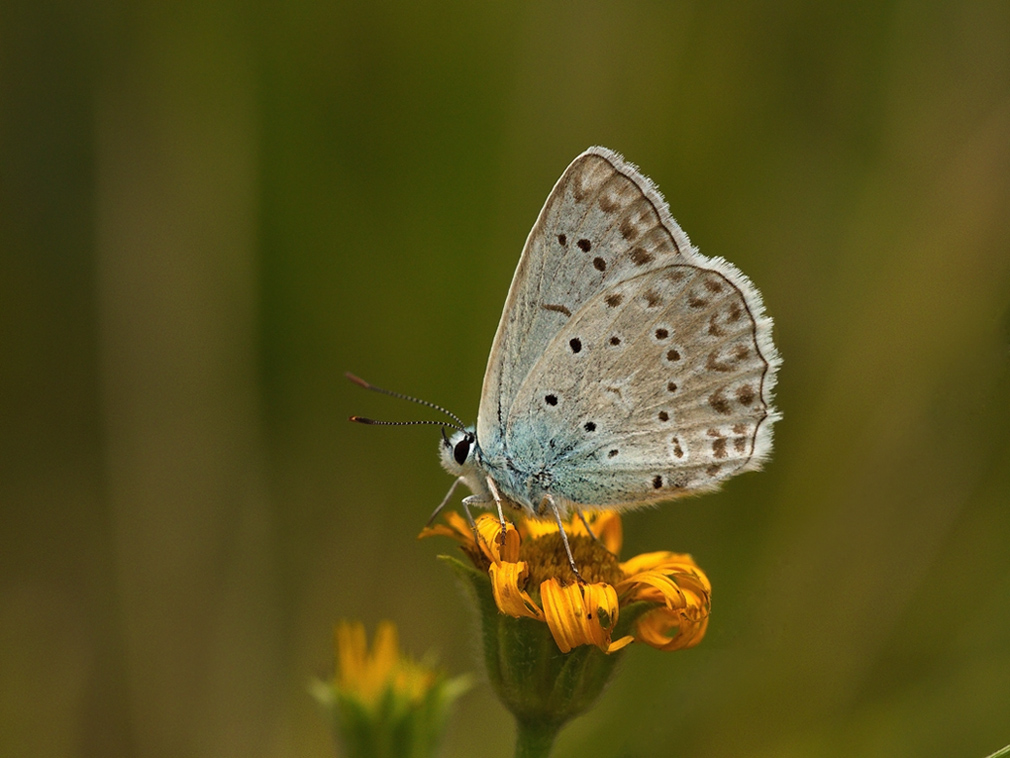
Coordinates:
[357,380]
[360,420]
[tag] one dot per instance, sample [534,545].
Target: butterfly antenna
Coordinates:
[362,383]
[376,422]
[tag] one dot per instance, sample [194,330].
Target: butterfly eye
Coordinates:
[462,450]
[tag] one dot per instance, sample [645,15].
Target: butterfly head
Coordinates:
[458,451]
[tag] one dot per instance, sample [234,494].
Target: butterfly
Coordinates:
[627,368]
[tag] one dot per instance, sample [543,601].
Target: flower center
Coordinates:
[545,557]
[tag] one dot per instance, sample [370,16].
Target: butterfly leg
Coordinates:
[582,518]
[497,501]
[445,501]
[473,524]
[564,538]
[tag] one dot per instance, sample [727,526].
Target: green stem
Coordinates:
[535,739]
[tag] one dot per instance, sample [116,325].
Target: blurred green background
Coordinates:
[210,211]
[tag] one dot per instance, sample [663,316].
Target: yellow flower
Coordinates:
[531,578]
[368,675]
[381,703]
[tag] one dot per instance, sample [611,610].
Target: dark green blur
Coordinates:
[210,211]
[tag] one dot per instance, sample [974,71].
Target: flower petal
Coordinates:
[653,586]
[661,560]
[688,627]
[351,649]
[455,527]
[580,614]
[606,525]
[620,644]
[510,599]
[535,529]
[600,602]
[675,581]
[563,611]
[496,544]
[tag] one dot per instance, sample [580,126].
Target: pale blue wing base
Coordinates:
[654,389]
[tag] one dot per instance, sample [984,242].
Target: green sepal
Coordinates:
[540,685]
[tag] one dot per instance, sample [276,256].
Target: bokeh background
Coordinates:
[210,211]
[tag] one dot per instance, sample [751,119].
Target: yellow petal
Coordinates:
[661,560]
[620,644]
[385,650]
[351,646]
[455,527]
[606,525]
[512,601]
[653,586]
[579,614]
[563,611]
[666,629]
[535,529]
[600,603]
[498,545]
[362,673]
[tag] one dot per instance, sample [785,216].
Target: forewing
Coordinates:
[602,223]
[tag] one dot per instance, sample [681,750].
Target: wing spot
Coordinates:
[741,352]
[608,203]
[652,298]
[640,256]
[584,245]
[696,302]
[719,403]
[676,276]
[599,264]
[671,386]
[612,453]
[614,300]
[615,340]
[589,426]
[657,482]
[745,394]
[662,334]
[575,344]
[551,399]
[677,449]
[672,355]
[734,311]
[563,239]
[628,230]
[713,285]
[714,364]
[556,308]
[719,447]
[713,469]
[713,328]
[664,416]
[740,445]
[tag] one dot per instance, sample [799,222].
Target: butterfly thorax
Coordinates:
[525,490]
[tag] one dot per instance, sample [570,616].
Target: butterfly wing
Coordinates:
[603,245]
[602,221]
[655,388]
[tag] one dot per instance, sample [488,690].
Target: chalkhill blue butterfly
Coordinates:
[627,368]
